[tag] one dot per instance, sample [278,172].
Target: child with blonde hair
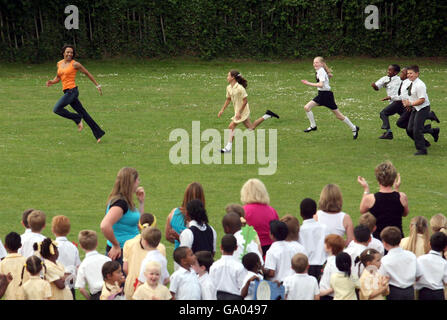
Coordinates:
[152,289]
[438,223]
[35,288]
[419,240]
[301,286]
[373,286]
[36,221]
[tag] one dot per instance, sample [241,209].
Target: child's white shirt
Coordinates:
[311,237]
[401,266]
[377,245]
[251,247]
[90,272]
[329,269]
[323,77]
[207,287]
[391,84]
[3,252]
[227,274]
[251,288]
[433,270]
[69,258]
[301,286]
[279,258]
[185,285]
[418,91]
[154,255]
[28,240]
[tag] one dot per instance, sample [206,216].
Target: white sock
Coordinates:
[229,145]
[311,118]
[349,123]
[266,116]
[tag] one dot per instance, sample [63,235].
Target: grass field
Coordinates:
[46,164]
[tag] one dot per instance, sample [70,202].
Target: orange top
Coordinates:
[67,75]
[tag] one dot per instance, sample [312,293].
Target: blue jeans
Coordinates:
[70,97]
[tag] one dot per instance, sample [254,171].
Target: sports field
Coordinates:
[45,163]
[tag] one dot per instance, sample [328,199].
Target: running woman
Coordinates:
[236,93]
[325,97]
[66,72]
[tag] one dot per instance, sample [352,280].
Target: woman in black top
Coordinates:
[388,205]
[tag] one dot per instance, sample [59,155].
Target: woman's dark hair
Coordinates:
[343,263]
[47,248]
[69,46]
[237,75]
[13,241]
[109,267]
[196,211]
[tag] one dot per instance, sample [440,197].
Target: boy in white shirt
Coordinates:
[36,222]
[184,284]
[301,286]
[399,265]
[24,222]
[418,101]
[90,269]
[311,237]
[368,220]
[433,269]
[279,256]
[362,237]
[253,265]
[228,273]
[202,268]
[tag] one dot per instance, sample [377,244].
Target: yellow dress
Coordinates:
[54,272]
[36,289]
[145,292]
[14,263]
[237,94]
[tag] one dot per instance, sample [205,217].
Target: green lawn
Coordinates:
[46,164]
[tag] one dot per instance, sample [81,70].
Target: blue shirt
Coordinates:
[178,224]
[125,228]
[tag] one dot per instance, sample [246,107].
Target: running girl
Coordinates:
[325,97]
[237,94]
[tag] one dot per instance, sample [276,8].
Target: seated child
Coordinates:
[202,268]
[35,288]
[373,286]
[184,284]
[301,286]
[152,289]
[90,270]
[252,263]
[113,279]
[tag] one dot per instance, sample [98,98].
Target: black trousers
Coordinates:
[222,295]
[393,108]
[416,129]
[397,293]
[70,97]
[428,294]
[315,271]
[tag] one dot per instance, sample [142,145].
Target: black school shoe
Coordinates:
[356,132]
[387,135]
[271,113]
[421,153]
[311,129]
[435,134]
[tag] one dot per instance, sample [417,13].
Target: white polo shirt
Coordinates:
[90,272]
[69,258]
[400,265]
[185,284]
[228,274]
[377,245]
[279,258]
[301,286]
[323,76]
[28,240]
[434,271]
[329,269]
[311,237]
[403,91]
[354,249]
[154,255]
[418,91]
[207,286]
[391,84]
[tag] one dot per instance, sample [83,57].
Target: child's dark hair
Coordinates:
[13,241]
[147,218]
[391,235]
[229,243]
[367,255]
[308,207]
[231,222]
[205,258]
[46,248]
[396,68]
[109,267]
[237,75]
[343,263]
[196,211]
[438,241]
[68,46]
[33,265]
[279,230]
[250,261]
[25,215]
[362,233]
[414,68]
[180,253]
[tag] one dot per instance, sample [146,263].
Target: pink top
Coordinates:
[259,216]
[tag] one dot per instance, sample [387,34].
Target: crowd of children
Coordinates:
[305,261]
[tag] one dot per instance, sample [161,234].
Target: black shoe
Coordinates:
[435,134]
[356,132]
[432,116]
[310,129]
[427,144]
[387,135]
[271,113]
[421,153]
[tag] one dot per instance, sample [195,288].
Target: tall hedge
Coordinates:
[34,30]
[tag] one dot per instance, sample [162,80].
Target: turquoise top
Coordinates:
[178,224]
[125,228]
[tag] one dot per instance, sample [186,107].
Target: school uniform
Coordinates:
[377,245]
[90,273]
[325,96]
[301,286]
[111,292]
[354,249]
[14,263]
[55,271]
[251,247]
[207,287]
[237,93]
[433,270]
[185,285]
[392,86]
[228,275]
[145,292]
[329,268]
[199,237]
[28,241]
[279,258]
[402,94]
[154,255]
[251,287]
[69,258]
[401,267]
[344,286]
[36,289]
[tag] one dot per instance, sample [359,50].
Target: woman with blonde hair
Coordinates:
[258,212]
[121,220]
[419,240]
[331,215]
[388,205]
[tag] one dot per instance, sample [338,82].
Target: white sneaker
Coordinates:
[225,150]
